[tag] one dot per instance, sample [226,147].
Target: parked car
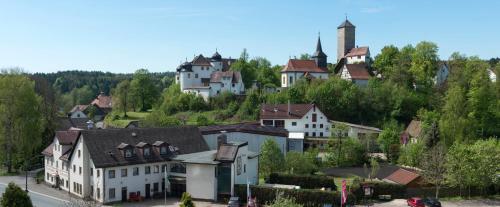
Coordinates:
[415,202]
[431,202]
[234,202]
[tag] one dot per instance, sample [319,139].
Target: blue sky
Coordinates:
[122,36]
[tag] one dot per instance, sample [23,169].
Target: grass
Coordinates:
[3,172]
[131,116]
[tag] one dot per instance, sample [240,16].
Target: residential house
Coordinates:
[355,130]
[108,165]
[297,69]
[407,177]
[412,133]
[254,134]
[442,73]
[209,77]
[301,118]
[492,74]
[357,73]
[101,106]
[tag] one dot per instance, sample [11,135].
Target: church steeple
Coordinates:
[319,56]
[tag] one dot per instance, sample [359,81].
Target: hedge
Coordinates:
[381,188]
[304,181]
[306,197]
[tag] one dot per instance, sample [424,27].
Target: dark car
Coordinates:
[431,202]
[415,202]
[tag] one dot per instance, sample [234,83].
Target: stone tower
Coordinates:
[346,38]
[319,56]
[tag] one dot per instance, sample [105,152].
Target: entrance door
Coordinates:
[148,190]
[124,194]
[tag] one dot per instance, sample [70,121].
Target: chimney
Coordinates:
[221,139]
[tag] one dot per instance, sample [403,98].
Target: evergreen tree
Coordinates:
[14,196]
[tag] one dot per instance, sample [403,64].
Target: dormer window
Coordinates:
[128,153]
[147,152]
[163,150]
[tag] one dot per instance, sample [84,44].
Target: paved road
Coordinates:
[38,199]
[465,203]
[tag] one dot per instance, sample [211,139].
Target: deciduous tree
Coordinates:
[271,158]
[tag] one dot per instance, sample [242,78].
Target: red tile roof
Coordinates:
[358,71]
[357,51]
[280,111]
[217,76]
[102,101]
[295,65]
[67,137]
[49,150]
[403,176]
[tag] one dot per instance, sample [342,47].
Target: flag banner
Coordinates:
[343,199]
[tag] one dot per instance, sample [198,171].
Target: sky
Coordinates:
[121,36]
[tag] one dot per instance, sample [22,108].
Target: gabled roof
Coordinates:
[68,137]
[319,50]
[280,111]
[79,108]
[414,128]
[358,51]
[346,23]
[217,76]
[403,176]
[358,71]
[216,56]
[102,144]
[200,60]
[227,152]
[295,65]
[251,128]
[102,101]
[49,150]
[358,126]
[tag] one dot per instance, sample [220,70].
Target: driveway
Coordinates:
[463,203]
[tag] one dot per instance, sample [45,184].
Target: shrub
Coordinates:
[282,201]
[381,188]
[305,197]
[304,181]
[186,200]
[15,196]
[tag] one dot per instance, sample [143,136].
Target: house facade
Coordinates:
[357,73]
[110,165]
[302,118]
[209,77]
[315,68]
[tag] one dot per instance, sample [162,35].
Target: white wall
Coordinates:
[201,181]
[247,171]
[310,131]
[78,114]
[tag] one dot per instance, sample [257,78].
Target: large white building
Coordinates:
[209,77]
[315,68]
[296,118]
[110,165]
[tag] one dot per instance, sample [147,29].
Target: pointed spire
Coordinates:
[319,50]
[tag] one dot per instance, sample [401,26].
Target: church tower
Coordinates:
[346,38]
[319,56]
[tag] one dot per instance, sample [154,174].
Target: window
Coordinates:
[111,193]
[163,167]
[80,170]
[48,175]
[98,193]
[307,126]
[306,134]
[98,173]
[314,126]
[57,164]
[79,153]
[284,80]
[124,172]
[163,150]
[314,117]
[321,134]
[189,75]
[111,174]
[147,170]
[267,122]
[233,85]
[359,56]
[321,126]
[91,171]
[147,152]
[74,168]
[279,123]
[196,75]
[135,171]
[157,169]
[291,80]
[294,123]
[67,184]
[314,134]
[178,168]
[128,153]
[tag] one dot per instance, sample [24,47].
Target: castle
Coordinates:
[209,77]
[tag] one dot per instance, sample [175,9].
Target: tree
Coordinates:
[411,154]
[14,196]
[433,166]
[121,97]
[389,137]
[142,88]
[386,60]
[299,163]
[304,56]
[348,152]
[186,200]
[248,72]
[21,122]
[271,158]
[424,63]
[375,167]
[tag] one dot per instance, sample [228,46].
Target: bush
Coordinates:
[186,200]
[15,196]
[306,197]
[304,181]
[381,188]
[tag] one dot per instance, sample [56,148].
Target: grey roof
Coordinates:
[319,50]
[103,144]
[206,157]
[346,23]
[227,152]
[250,127]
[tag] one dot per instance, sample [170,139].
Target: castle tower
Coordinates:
[346,38]
[319,56]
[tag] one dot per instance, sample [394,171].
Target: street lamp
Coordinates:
[27,164]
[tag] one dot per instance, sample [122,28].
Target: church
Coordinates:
[353,62]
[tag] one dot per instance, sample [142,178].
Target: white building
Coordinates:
[357,73]
[492,75]
[209,77]
[296,69]
[254,134]
[358,55]
[304,118]
[355,130]
[442,73]
[110,165]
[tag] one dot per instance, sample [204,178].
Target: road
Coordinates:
[464,203]
[39,199]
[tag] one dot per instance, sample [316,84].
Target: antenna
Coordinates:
[345,16]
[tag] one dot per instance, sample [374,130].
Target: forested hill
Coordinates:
[66,81]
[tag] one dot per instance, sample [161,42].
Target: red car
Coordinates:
[415,202]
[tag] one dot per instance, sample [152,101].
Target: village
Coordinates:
[402,127]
